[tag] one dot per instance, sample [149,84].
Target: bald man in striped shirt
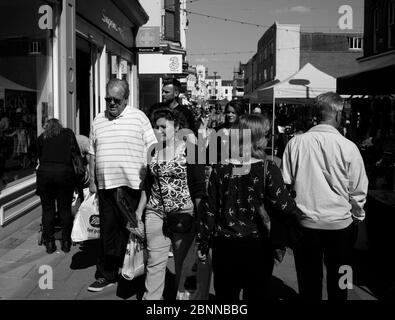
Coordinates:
[120,139]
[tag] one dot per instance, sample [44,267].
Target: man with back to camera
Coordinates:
[120,139]
[327,172]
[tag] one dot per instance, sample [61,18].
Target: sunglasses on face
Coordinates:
[111,99]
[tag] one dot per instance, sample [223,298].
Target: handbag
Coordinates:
[78,166]
[176,221]
[135,257]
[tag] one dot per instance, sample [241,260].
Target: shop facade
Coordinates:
[55,60]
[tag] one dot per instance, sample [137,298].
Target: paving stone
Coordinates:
[15,255]
[13,288]
[11,243]
[15,269]
[61,291]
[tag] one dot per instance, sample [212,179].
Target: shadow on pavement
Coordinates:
[278,290]
[128,288]
[87,256]
[369,273]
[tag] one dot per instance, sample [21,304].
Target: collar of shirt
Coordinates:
[324,128]
[123,113]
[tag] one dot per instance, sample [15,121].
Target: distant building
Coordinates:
[161,44]
[283,49]
[238,82]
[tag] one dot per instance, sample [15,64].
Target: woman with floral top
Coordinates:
[235,223]
[172,185]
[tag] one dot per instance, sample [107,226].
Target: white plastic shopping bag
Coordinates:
[135,257]
[86,224]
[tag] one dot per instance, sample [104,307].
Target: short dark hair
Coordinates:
[172,81]
[119,82]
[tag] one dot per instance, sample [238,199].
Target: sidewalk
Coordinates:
[21,258]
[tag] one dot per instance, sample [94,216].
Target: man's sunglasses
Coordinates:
[111,99]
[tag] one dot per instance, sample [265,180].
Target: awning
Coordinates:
[11,85]
[370,82]
[302,87]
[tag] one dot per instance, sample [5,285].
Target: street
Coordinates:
[21,258]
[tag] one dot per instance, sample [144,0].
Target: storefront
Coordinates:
[55,60]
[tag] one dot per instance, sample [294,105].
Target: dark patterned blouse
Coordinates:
[233,201]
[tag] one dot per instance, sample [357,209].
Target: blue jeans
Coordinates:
[158,247]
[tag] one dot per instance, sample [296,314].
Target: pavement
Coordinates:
[25,275]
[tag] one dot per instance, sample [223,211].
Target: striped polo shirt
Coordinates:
[120,147]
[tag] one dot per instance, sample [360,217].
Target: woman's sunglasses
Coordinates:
[111,99]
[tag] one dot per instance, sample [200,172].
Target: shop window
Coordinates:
[26,85]
[375,30]
[391,24]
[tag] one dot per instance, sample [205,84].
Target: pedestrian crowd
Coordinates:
[191,179]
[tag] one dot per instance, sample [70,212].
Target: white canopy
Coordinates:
[306,84]
[10,85]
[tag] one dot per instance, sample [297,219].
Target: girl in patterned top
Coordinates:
[172,186]
[235,223]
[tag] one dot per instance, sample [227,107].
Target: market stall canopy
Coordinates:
[300,88]
[368,82]
[10,85]
[223,102]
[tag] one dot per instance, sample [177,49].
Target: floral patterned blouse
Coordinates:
[233,201]
[172,176]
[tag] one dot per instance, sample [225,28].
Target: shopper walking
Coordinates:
[56,181]
[174,189]
[243,200]
[327,172]
[119,141]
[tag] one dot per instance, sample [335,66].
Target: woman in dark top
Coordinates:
[236,224]
[56,181]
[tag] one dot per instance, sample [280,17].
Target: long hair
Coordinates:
[259,126]
[52,128]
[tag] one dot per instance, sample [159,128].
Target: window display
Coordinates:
[26,94]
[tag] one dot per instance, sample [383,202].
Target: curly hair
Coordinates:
[164,113]
[52,128]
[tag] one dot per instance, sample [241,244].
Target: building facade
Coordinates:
[55,60]
[161,48]
[283,49]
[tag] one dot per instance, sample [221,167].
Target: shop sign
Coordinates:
[148,37]
[152,63]
[109,18]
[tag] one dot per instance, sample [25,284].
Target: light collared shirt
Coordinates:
[121,147]
[328,174]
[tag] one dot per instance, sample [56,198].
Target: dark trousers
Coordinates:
[334,248]
[242,263]
[55,185]
[113,233]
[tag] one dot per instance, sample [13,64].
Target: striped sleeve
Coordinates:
[92,149]
[148,133]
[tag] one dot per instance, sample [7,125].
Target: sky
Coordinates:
[209,36]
